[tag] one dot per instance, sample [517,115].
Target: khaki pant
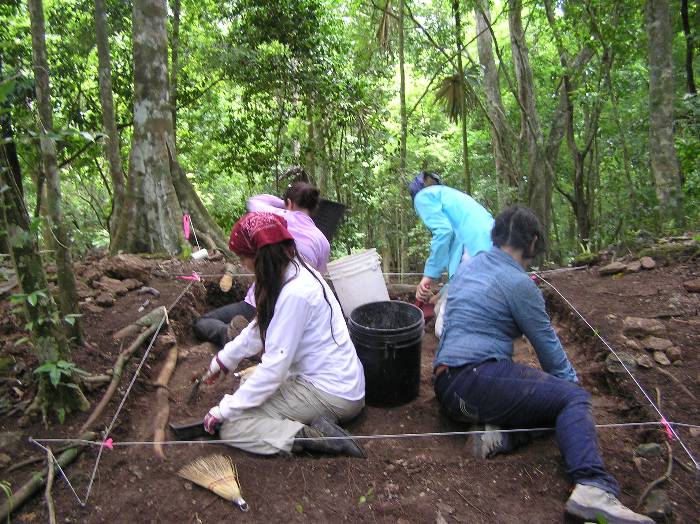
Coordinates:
[271,427]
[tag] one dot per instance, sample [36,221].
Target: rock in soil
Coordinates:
[612,363]
[674,354]
[647,263]
[10,438]
[632,344]
[104,300]
[612,268]
[111,286]
[644,361]
[649,450]
[128,266]
[634,267]
[692,286]
[656,344]
[635,326]
[658,506]
[5,460]
[661,358]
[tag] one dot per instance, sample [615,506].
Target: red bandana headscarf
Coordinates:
[255,230]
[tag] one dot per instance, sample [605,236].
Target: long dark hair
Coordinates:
[270,264]
[303,195]
[517,227]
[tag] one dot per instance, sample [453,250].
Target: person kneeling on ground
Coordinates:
[310,375]
[492,301]
[300,200]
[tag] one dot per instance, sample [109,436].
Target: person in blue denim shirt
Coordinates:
[492,301]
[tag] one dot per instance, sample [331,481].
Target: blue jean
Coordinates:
[512,395]
[213,326]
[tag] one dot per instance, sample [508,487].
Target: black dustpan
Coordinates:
[189,430]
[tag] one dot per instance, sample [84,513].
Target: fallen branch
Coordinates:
[145,321]
[49,486]
[677,381]
[118,369]
[662,478]
[465,499]
[32,460]
[163,401]
[36,481]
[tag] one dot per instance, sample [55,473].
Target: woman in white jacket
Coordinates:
[310,376]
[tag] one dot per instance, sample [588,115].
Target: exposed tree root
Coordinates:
[123,358]
[49,486]
[677,381]
[145,321]
[36,481]
[160,420]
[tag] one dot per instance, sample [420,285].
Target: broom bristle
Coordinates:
[216,473]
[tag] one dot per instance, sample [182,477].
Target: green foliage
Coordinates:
[59,371]
[268,84]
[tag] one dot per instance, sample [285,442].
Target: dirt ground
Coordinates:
[427,479]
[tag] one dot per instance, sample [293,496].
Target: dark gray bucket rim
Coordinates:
[388,331]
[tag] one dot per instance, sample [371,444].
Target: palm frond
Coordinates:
[452,92]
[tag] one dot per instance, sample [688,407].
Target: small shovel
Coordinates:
[194,393]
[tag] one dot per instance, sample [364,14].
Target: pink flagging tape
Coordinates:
[667,427]
[186,221]
[109,444]
[194,277]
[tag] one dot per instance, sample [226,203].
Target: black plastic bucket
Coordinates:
[387,336]
[327,217]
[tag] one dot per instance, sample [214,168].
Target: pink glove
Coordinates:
[213,420]
[215,369]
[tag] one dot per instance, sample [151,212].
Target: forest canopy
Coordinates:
[586,111]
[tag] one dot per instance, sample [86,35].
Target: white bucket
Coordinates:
[201,254]
[358,280]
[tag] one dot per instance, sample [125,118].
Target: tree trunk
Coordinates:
[402,96]
[175,64]
[44,322]
[539,178]
[68,296]
[310,156]
[462,92]
[689,49]
[157,190]
[501,133]
[109,118]
[662,151]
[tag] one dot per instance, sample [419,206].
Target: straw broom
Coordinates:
[216,473]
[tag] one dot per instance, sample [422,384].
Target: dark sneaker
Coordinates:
[314,437]
[594,504]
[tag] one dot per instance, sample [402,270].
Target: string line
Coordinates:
[646,395]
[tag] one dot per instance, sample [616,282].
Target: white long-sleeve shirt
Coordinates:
[299,343]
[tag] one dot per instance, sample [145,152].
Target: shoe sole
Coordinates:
[589,515]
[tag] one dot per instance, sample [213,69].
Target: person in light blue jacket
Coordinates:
[460,227]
